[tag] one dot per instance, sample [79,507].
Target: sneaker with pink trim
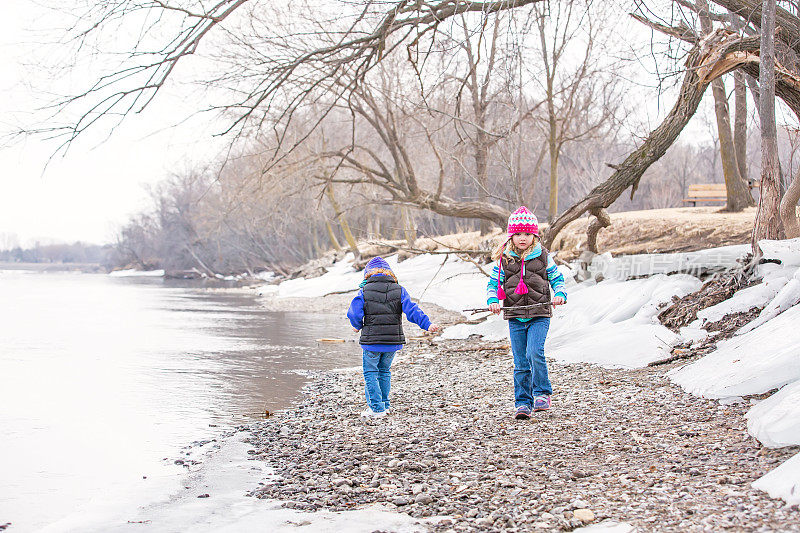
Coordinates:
[541,403]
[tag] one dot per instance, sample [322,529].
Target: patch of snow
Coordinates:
[599,319]
[626,344]
[787,251]
[782,482]
[133,273]
[225,476]
[265,275]
[693,334]
[268,290]
[756,296]
[612,323]
[444,280]
[788,296]
[492,329]
[340,276]
[775,422]
[615,301]
[756,362]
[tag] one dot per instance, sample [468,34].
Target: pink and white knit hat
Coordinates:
[523,221]
[520,221]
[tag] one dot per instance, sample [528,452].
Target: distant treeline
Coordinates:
[77,252]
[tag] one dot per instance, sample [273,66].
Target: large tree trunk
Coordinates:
[630,171]
[552,210]
[481,164]
[409,231]
[738,193]
[552,144]
[767,220]
[740,107]
[348,235]
[737,190]
[740,124]
[332,236]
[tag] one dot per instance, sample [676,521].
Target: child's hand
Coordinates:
[355,329]
[558,300]
[433,328]
[495,308]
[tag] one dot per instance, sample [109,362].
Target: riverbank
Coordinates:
[628,446]
[663,447]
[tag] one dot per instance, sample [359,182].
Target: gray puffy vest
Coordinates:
[535,279]
[383,309]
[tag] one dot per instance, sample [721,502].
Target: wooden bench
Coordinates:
[706,192]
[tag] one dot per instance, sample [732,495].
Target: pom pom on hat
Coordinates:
[523,221]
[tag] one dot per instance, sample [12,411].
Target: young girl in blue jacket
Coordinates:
[377,312]
[523,279]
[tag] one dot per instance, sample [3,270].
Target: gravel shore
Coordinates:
[618,445]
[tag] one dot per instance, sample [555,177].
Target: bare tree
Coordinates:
[740,107]
[738,193]
[767,218]
[325,55]
[570,90]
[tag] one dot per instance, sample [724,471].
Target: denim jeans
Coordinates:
[530,367]
[377,379]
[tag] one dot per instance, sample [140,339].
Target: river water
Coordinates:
[105,381]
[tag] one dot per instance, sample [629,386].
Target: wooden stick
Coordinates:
[486,309]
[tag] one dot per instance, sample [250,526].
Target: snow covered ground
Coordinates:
[224,475]
[613,323]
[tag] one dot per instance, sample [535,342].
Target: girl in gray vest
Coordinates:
[377,312]
[522,280]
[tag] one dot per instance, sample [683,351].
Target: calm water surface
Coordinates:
[104,380]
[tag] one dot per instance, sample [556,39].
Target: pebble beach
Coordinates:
[618,446]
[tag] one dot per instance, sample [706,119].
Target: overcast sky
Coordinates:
[88,193]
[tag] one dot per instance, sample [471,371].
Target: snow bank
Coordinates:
[493,329]
[786,251]
[622,345]
[627,266]
[444,280]
[775,422]
[265,275]
[782,482]
[341,276]
[610,323]
[133,273]
[788,296]
[774,277]
[766,358]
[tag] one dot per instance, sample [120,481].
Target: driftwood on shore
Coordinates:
[683,311]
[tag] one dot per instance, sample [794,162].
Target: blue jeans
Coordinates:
[377,379]
[530,367]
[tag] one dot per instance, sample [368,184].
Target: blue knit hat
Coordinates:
[378,265]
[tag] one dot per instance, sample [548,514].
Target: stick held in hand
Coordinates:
[486,309]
